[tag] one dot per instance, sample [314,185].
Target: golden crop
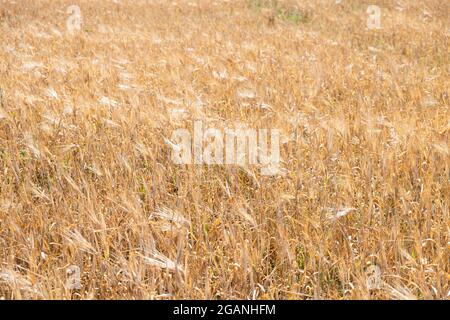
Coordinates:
[87,183]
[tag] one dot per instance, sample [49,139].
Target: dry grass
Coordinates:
[86,179]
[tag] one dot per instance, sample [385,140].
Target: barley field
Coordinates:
[92,206]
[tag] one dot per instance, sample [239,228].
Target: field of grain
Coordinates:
[93,207]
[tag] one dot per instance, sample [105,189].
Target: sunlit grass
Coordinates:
[86,179]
